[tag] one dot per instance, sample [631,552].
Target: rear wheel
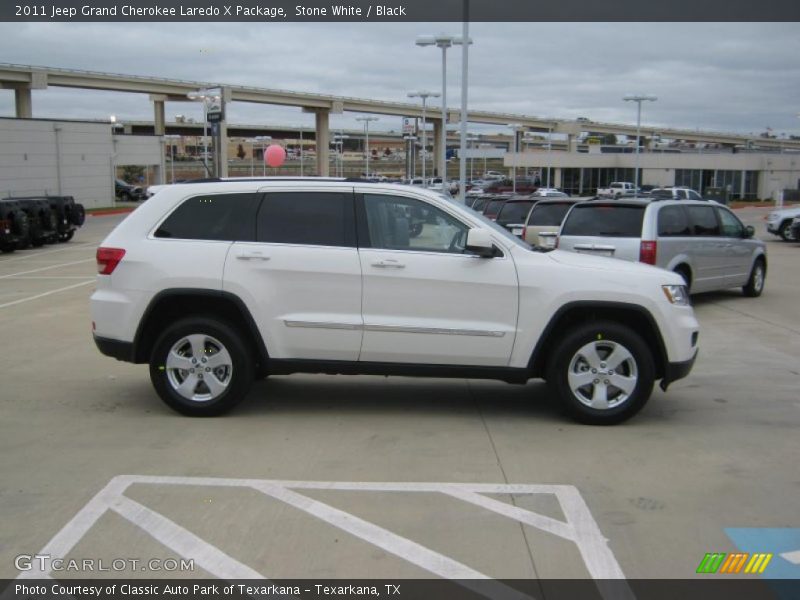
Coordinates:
[755,284]
[201,367]
[66,236]
[602,372]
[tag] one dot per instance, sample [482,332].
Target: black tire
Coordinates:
[785,231]
[66,236]
[605,337]
[755,283]
[235,379]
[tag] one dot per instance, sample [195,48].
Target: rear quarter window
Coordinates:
[223,217]
[549,215]
[604,221]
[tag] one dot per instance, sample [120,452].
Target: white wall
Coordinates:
[71,158]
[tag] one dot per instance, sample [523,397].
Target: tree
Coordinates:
[240,153]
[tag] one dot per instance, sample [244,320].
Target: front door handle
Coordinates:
[388,263]
[252,255]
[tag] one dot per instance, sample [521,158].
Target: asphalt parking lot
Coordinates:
[331,476]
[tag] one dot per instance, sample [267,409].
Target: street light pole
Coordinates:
[424,95]
[366,121]
[638,98]
[444,42]
[515,127]
[263,139]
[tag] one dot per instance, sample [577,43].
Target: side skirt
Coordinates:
[282,366]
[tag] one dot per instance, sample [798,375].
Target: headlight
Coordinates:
[676,294]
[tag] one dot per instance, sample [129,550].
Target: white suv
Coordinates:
[216,283]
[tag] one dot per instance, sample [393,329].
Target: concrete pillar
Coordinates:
[24,103]
[437,147]
[158,119]
[323,138]
[222,154]
[557,175]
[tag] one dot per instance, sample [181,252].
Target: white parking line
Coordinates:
[579,526]
[50,293]
[45,277]
[66,264]
[33,254]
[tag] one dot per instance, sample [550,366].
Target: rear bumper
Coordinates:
[115,348]
[677,370]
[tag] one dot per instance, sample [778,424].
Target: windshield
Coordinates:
[514,212]
[549,214]
[604,220]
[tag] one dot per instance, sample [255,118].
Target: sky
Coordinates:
[739,77]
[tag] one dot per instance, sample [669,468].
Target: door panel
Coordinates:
[738,251]
[301,279]
[424,299]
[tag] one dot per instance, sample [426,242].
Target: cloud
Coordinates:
[733,77]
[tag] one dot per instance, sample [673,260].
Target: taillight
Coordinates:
[647,252]
[108,259]
[5,226]
[555,244]
[525,232]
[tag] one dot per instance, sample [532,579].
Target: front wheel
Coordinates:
[755,283]
[602,372]
[66,236]
[786,232]
[201,367]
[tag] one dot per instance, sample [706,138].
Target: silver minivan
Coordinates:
[702,241]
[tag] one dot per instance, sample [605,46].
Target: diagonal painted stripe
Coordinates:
[727,564]
[547,524]
[704,563]
[404,548]
[712,568]
[753,564]
[182,541]
[765,563]
[741,562]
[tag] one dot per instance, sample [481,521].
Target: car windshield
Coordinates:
[604,220]
[514,212]
[549,214]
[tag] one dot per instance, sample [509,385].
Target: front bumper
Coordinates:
[676,370]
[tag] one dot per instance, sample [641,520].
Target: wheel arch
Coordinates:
[172,304]
[587,311]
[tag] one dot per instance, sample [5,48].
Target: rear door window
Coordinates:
[307,218]
[604,220]
[703,221]
[224,217]
[672,222]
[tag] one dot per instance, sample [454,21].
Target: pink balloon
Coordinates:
[275,155]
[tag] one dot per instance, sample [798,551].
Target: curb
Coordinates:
[110,211]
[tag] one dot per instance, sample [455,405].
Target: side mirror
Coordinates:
[479,242]
[749,232]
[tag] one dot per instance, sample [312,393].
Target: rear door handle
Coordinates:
[251,255]
[388,263]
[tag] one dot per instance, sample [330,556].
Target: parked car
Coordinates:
[513,213]
[14,226]
[70,215]
[274,277]
[42,221]
[704,243]
[675,193]
[524,185]
[549,193]
[480,202]
[617,189]
[128,192]
[795,228]
[779,222]
[493,206]
[544,220]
